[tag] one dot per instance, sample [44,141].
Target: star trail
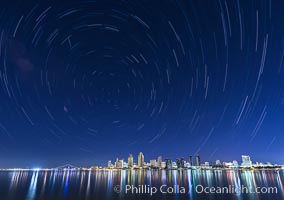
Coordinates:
[85,81]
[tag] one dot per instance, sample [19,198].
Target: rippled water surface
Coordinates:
[138,184]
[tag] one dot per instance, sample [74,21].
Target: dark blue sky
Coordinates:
[83,82]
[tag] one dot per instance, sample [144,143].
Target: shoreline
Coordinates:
[143,169]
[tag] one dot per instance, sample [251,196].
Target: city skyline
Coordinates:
[159,161]
[182,162]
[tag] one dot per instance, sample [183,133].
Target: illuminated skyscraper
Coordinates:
[159,162]
[198,160]
[130,161]
[140,159]
[190,160]
[168,163]
[153,163]
[119,163]
[235,163]
[180,162]
[116,163]
[246,162]
[218,163]
[206,164]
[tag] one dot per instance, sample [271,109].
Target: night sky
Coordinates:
[84,82]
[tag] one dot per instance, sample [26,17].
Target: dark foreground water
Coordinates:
[139,184]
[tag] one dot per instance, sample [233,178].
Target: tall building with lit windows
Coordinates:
[140,159]
[119,163]
[180,162]
[153,163]
[218,163]
[246,162]
[109,164]
[198,163]
[130,161]
[159,163]
[168,163]
[190,160]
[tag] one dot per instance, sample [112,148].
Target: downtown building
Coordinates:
[140,159]
[130,161]
[198,162]
[159,162]
[246,162]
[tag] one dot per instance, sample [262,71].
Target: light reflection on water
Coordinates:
[32,188]
[89,185]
